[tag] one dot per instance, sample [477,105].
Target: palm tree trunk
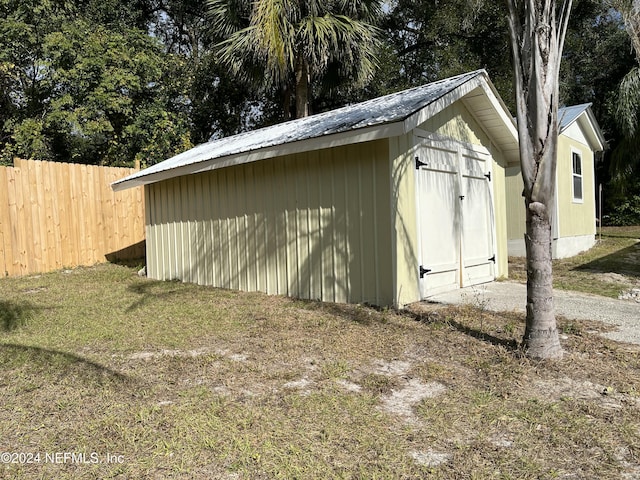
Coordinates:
[302,88]
[541,335]
[286,102]
[537,31]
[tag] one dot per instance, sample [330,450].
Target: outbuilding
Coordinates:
[383,202]
[574,220]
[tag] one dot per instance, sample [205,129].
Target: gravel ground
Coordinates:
[510,296]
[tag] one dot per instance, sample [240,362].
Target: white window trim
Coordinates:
[581,175]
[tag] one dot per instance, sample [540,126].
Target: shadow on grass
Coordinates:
[15,314]
[363,314]
[625,261]
[150,291]
[58,362]
[510,345]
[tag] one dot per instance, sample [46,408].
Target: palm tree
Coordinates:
[626,157]
[537,31]
[292,44]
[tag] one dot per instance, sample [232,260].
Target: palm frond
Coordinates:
[228,16]
[274,23]
[339,38]
[276,34]
[628,104]
[625,162]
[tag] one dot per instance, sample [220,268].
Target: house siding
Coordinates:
[574,222]
[312,225]
[514,186]
[576,218]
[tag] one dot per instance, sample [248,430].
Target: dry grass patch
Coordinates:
[192,382]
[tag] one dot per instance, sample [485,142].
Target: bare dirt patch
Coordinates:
[401,402]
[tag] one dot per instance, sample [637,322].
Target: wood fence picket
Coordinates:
[57,215]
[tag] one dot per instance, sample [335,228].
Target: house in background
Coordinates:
[384,202]
[574,219]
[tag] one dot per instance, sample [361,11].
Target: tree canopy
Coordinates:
[111,82]
[297,44]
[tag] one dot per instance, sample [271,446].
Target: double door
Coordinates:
[456,224]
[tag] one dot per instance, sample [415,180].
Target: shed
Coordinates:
[574,222]
[383,202]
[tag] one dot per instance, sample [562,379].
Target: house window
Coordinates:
[577,176]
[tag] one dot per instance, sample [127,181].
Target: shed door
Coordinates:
[478,246]
[455,217]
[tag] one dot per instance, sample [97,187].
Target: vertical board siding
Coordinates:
[516,213]
[404,215]
[314,225]
[55,215]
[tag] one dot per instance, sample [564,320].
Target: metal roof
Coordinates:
[381,117]
[584,115]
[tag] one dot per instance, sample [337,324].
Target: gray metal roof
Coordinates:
[339,126]
[568,115]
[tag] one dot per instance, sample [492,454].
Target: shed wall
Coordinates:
[314,225]
[404,220]
[516,220]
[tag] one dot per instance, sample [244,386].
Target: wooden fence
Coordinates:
[57,215]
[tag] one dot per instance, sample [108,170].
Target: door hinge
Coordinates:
[420,164]
[493,259]
[488,175]
[424,271]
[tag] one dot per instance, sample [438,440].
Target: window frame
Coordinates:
[575,176]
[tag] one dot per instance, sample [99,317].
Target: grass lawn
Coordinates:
[612,266]
[180,381]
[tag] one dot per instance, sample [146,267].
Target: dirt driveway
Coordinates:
[511,296]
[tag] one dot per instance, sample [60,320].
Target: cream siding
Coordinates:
[576,218]
[311,225]
[456,122]
[500,214]
[573,221]
[404,220]
[515,205]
